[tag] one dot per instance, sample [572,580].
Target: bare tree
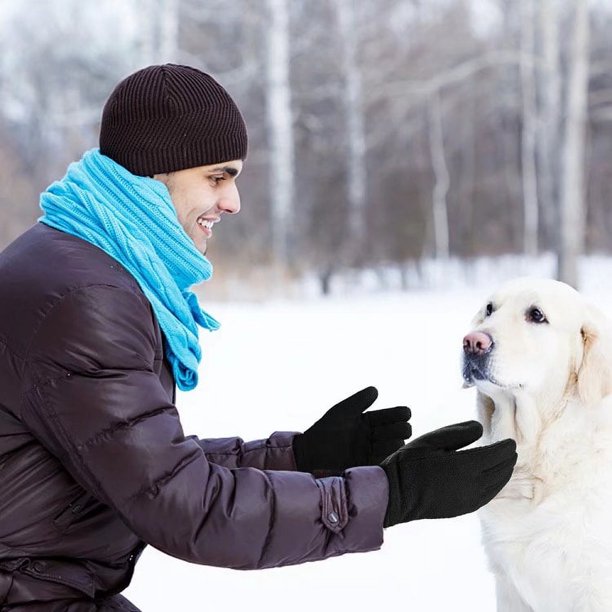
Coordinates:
[573,185]
[280,129]
[356,170]
[549,121]
[169,31]
[442,179]
[159,40]
[528,140]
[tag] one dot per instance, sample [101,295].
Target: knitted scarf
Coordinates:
[132,218]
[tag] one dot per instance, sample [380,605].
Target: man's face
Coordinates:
[201,195]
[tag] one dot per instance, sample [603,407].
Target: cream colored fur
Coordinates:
[548,534]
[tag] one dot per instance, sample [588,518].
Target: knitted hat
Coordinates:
[170,117]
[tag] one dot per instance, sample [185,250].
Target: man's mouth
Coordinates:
[206,225]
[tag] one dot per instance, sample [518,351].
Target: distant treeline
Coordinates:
[381,131]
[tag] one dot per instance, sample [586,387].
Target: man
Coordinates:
[97,325]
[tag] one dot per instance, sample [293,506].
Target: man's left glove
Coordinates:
[346,437]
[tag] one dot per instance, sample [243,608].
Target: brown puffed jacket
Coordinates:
[94,464]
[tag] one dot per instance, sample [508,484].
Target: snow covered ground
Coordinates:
[279,366]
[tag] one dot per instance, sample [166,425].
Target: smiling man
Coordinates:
[98,325]
[201,196]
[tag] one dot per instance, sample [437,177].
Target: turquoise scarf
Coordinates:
[132,218]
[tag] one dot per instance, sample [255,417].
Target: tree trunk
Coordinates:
[159,21]
[441,176]
[528,140]
[572,186]
[146,31]
[280,129]
[325,278]
[356,170]
[168,31]
[549,122]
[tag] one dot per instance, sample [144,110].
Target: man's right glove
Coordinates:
[428,478]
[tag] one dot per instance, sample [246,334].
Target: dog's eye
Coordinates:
[535,315]
[489,309]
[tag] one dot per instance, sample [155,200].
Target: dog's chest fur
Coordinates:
[554,516]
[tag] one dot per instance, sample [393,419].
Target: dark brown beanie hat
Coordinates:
[167,118]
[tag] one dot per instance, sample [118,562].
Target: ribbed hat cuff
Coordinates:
[144,162]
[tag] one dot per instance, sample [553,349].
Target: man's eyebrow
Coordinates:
[229,169]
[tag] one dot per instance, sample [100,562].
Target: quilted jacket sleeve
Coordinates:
[90,393]
[273,453]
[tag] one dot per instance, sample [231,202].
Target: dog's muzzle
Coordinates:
[477,347]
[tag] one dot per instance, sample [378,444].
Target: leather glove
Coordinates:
[345,437]
[429,478]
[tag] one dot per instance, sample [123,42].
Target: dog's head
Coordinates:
[539,336]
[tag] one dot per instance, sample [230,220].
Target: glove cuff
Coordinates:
[300,454]
[393,514]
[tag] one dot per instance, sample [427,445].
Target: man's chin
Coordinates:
[199,241]
[202,247]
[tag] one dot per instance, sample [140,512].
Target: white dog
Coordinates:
[541,360]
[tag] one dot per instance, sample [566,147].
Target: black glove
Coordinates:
[344,437]
[428,478]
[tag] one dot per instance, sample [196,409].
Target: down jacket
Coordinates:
[94,463]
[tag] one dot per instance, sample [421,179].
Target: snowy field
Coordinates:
[279,366]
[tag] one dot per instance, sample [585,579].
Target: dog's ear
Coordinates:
[594,376]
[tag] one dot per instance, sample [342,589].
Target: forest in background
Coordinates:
[381,132]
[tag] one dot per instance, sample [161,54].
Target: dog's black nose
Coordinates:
[477,343]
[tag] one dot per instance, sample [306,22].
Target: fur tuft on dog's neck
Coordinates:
[517,414]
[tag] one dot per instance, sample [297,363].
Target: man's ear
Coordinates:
[594,376]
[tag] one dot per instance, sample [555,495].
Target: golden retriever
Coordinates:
[540,357]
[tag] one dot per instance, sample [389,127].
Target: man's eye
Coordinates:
[535,315]
[217,179]
[489,309]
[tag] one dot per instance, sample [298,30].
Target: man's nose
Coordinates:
[230,204]
[477,343]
